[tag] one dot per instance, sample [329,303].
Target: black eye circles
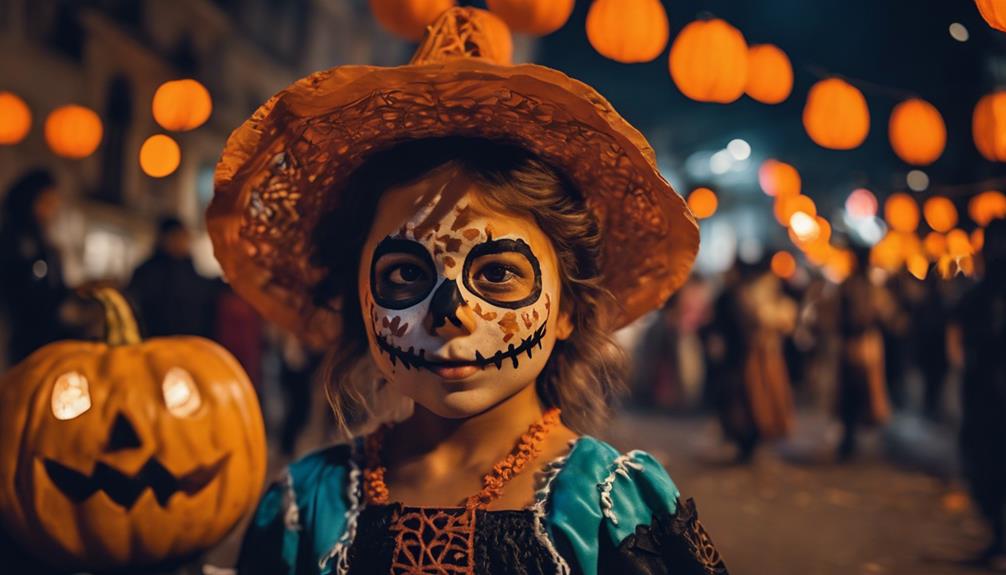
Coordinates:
[503,297]
[402,273]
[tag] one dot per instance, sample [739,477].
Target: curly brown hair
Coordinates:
[585,372]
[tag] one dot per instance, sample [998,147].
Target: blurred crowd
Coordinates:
[747,346]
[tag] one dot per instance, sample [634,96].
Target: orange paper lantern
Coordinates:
[994,12]
[538,17]
[988,126]
[702,202]
[181,105]
[940,213]
[958,243]
[770,74]
[783,265]
[159,156]
[786,206]
[408,19]
[978,239]
[901,213]
[628,31]
[778,178]
[836,115]
[987,206]
[15,119]
[709,61]
[918,266]
[73,131]
[935,245]
[917,132]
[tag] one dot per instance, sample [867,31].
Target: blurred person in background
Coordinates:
[931,344]
[171,297]
[862,389]
[33,296]
[978,344]
[297,366]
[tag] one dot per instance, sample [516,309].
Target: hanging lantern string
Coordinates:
[864,85]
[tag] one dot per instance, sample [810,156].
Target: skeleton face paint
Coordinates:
[461,302]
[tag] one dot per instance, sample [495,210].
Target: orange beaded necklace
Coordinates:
[432,540]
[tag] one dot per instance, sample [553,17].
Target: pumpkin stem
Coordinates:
[120,324]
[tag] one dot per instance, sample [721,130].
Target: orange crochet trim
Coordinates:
[527,450]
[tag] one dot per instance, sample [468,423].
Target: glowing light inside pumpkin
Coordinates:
[70,396]
[181,395]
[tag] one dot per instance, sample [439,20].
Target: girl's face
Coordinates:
[460,302]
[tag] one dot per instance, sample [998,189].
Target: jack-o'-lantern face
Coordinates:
[461,301]
[128,455]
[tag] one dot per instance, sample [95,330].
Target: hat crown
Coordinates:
[464,32]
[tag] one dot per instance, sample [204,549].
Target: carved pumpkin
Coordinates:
[917,132]
[73,131]
[709,61]
[181,105]
[408,19]
[836,115]
[988,125]
[994,12]
[628,31]
[127,453]
[770,74]
[538,17]
[15,119]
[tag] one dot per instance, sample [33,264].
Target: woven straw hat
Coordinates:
[287,165]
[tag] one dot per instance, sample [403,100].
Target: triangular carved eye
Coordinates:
[181,396]
[70,396]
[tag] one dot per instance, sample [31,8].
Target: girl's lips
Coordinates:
[454,373]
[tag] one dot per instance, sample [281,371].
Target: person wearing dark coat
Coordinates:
[170,296]
[32,291]
[979,330]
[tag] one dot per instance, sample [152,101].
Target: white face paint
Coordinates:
[461,303]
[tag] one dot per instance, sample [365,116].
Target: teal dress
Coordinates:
[598,511]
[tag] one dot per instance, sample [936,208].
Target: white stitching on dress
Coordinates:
[621,467]
[549,472]
[291,512]
[340,551]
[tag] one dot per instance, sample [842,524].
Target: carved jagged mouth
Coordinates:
[412,359]
[124,489]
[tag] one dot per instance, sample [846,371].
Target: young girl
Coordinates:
[463,235]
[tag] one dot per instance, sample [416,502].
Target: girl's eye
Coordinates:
[496,273]
[405,274]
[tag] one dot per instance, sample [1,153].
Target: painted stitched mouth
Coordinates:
[410,358]
[124,489]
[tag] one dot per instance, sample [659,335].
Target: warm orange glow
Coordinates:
[901,212]
[408,19]
[958,243]
[804,230]
[181,105]
[978,239]
[836,115]
[159,156]
[783,265]
[935,245]
[917,132]
[918,266]
[940,213]
[15,119]
[988,126]
[994,12]
[709,61]
[817,253]
[840,265]
[702,202]
[778,178]
[987,206]
[73,131]
[861,203]
[770,74]
[628,31]
[537,17]
[786,206]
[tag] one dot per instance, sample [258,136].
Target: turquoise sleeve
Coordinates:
[269,547]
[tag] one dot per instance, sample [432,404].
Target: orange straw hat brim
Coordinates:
[286,166]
